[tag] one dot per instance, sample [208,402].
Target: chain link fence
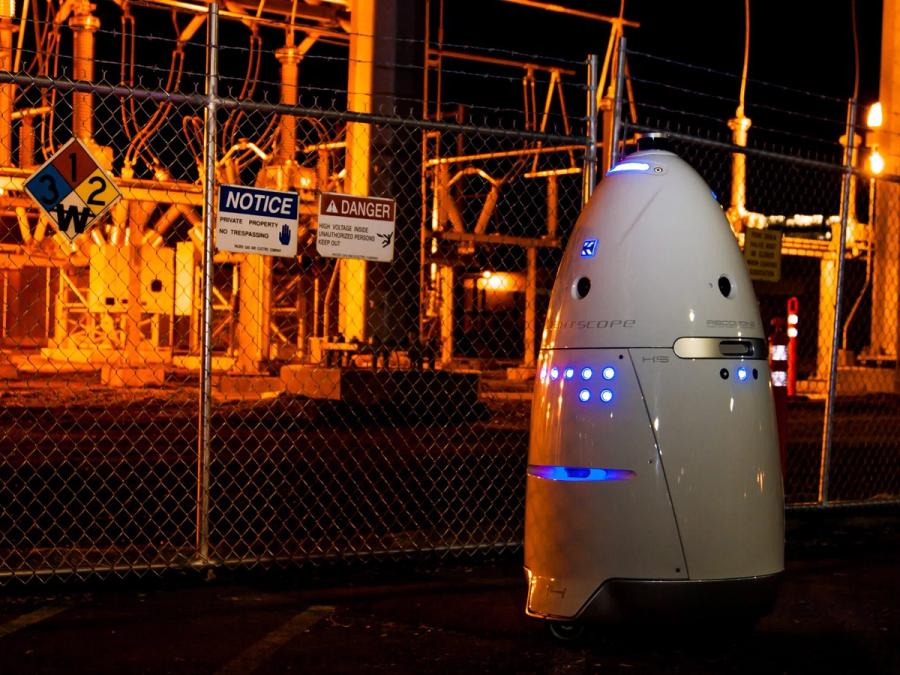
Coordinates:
[786,175]
[167,403]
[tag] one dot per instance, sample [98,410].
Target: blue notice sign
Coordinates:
[255,220]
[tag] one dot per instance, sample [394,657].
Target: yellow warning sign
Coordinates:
[762,251]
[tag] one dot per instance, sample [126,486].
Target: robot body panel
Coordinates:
[666,475]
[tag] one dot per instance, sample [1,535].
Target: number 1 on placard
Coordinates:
[73,157]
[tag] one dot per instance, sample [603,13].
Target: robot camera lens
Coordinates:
[723,373]
[582,287]
[725,286]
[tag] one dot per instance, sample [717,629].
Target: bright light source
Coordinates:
[876,162]
[578,473]
[586,373]
[554,373]
[500,281]
[742,374]
[584,395]
[793,319]
[606,395]
[640,167]
[792,332]
[608,373]
[569,373]
[875,118]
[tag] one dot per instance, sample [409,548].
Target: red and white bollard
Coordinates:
[778,365]
[793,318]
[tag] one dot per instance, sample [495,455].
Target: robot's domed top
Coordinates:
[652,259]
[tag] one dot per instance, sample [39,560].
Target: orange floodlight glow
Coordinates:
[875,118]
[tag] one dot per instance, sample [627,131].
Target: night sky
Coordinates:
[800,43]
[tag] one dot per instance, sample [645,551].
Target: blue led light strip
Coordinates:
[578,473]
[636,167]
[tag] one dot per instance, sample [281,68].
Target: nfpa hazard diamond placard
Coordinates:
[72,189]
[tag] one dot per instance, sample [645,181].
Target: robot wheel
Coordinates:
[566,631]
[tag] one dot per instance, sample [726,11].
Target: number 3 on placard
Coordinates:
[51,194]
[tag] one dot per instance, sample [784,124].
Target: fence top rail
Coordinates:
[765,154]
[231,103]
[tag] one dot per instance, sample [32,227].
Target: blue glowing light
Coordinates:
[606,395]
[608,373]
[569,373]
[554,373]
[584,395]
[589,248]
[639,167]
[742,374]
[578,473]
[586,373]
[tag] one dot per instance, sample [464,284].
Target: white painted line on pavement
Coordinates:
[31,618]
[253,657]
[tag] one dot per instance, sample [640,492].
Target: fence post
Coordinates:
[209,195]
[590,158]
[825,462]
[617,107]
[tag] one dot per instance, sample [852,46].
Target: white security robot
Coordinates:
[654,483]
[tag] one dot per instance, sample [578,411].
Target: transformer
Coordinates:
[654,484]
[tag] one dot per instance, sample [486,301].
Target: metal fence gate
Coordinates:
[166,404]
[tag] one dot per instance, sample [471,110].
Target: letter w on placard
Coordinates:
[72,214]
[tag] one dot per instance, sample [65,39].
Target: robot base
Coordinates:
[629,600]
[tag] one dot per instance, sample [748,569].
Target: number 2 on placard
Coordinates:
[92,198]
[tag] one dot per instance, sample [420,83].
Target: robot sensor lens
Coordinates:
[755,374]
[742,374]
[723,373]
[582,287]
[586,373]
[569,373]
[584,395]
[606,395]
[608,373]
[554,373]
[725,286]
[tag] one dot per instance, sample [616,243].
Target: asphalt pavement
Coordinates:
[838,611]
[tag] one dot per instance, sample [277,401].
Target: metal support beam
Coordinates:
[530,308]
[352,291]
[83,25]
[7,91]
[885,338]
